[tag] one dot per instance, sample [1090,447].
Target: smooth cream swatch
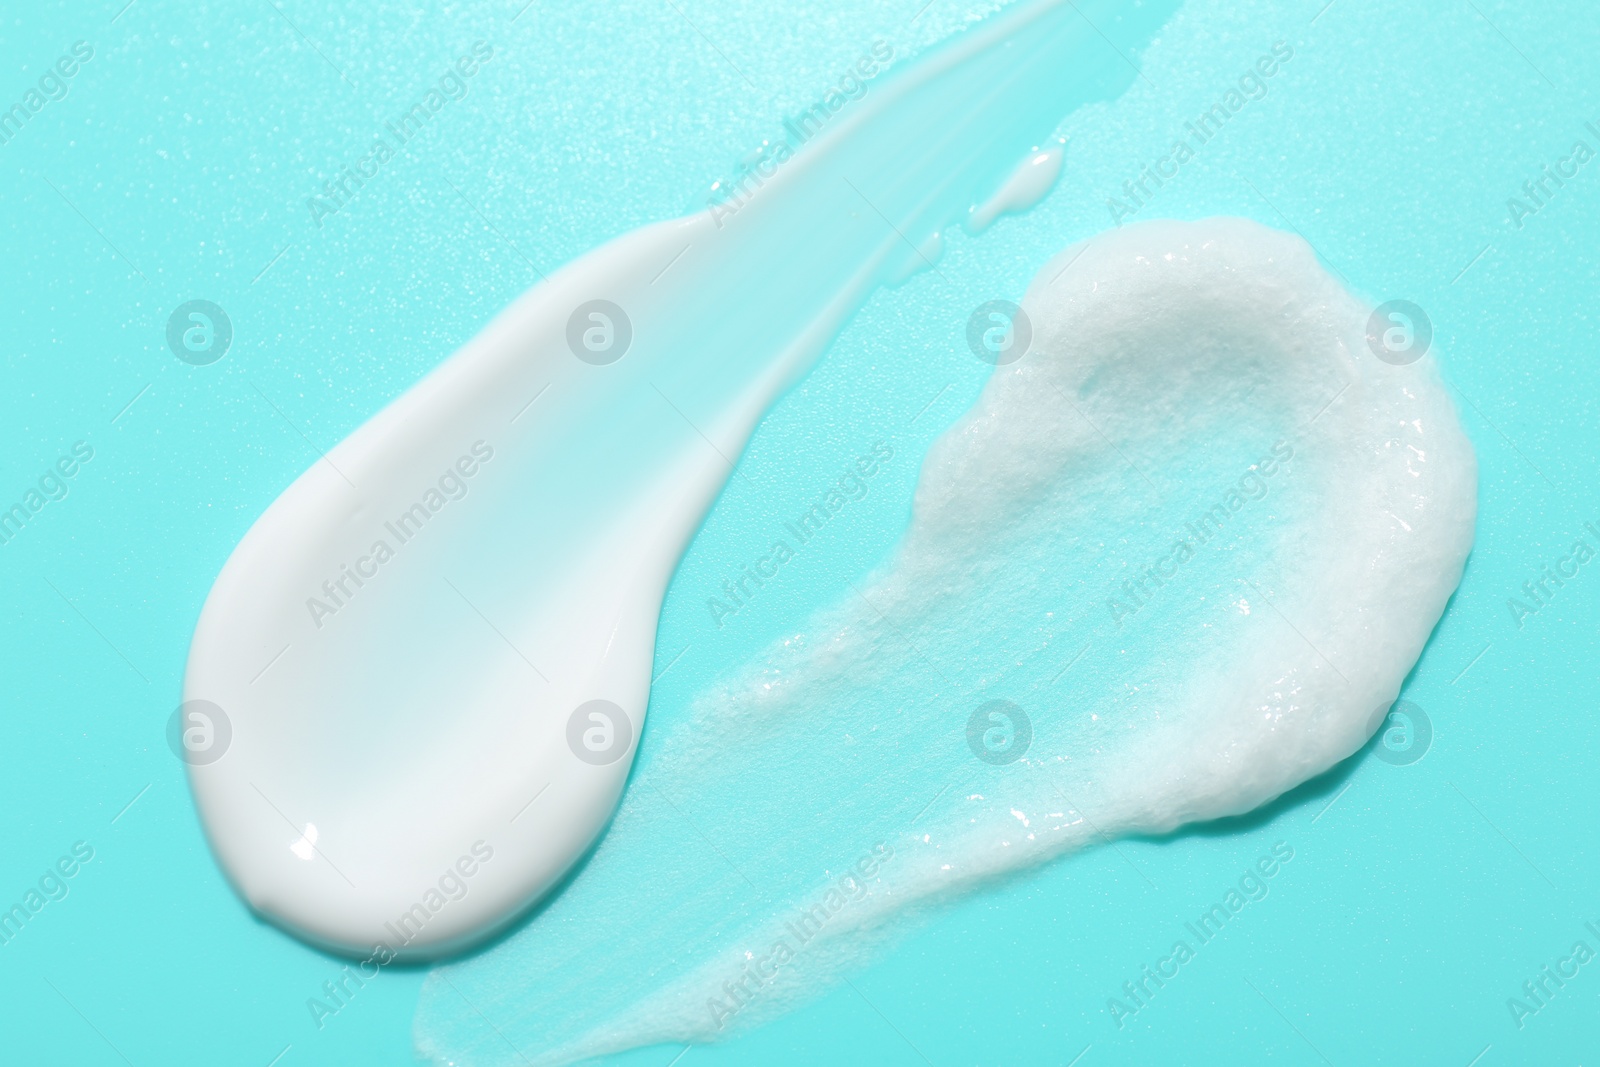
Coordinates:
[437,643]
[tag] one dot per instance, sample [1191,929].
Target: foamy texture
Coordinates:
[1198,535]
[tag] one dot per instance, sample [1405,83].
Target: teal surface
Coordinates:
[176,165]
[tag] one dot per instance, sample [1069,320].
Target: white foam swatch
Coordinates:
[1177,559]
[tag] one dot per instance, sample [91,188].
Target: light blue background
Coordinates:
[1420,897]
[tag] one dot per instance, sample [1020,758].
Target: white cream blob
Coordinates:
[1027,186]
[433,651]
[1176,560]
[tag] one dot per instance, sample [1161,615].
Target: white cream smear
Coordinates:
[433,651]
[1025,188]
[1193,541]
